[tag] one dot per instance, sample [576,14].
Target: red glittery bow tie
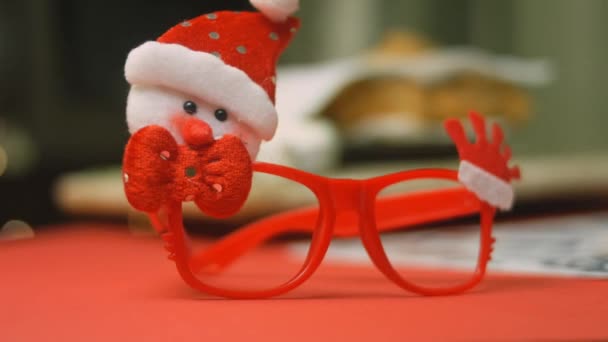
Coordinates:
[156,171]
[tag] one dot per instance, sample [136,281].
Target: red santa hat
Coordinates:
[225,58]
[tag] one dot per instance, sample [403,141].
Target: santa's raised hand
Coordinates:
[484,164]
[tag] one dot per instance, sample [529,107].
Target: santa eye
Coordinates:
[221,114]
[190,107]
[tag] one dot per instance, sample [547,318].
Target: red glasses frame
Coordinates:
[334,196]
[484,173]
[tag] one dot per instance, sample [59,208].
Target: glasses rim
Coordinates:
[324,188]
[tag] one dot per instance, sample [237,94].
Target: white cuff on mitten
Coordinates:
[486,186]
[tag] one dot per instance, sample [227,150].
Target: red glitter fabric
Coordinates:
[156,170]
[244,40]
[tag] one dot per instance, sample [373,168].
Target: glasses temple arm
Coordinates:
[394,212]
[157,223]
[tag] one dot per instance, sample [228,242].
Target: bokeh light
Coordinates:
[16,230]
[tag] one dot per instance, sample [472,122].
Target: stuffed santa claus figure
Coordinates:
[201,102]
[218,68]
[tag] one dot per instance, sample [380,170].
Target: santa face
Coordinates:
[190,120]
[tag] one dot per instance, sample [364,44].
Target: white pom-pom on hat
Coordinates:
[276,10]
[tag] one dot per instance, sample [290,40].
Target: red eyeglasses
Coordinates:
[251,262]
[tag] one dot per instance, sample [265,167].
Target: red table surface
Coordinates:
[91,282]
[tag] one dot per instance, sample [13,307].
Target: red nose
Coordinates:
[196,133]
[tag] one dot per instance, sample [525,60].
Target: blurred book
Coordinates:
[397,94]
[100,193]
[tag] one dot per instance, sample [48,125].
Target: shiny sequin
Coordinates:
[165,155]
[125,177]
[241,49]
[214,35]
[186,24]
[217,54]
[212,16]
[273,36]
[218,187]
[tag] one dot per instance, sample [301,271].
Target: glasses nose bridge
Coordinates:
[346,194]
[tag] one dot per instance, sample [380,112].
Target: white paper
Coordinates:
[566,245]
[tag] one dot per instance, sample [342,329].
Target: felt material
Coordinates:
[492,189]
[491,156]
[225,58]
[172,66]
[156,170]
[150,105]
[196,133]
[484,167]
[276,10]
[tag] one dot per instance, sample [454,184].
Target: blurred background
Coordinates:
[62,90]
